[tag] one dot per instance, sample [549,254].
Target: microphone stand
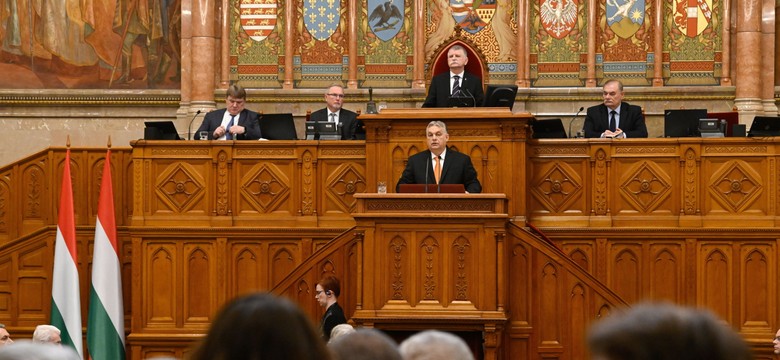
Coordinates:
[317,126]
[427,165]
[473,99]
[572,120]
[189,127]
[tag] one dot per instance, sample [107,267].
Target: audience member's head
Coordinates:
[5,336]
[327,291]
[339,331]
[435,345]
[776,342]
[261,326]
[47,334]
[365,344]
[665,331]
[27,350]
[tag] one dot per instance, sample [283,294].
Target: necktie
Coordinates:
[437,169]
[332,117]
[228,135]
[612,122]
[456,85]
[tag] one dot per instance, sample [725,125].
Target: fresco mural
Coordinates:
[693,48]
[68,44]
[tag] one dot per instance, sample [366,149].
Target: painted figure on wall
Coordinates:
[76,44]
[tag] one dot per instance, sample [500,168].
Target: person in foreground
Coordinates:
[365,344]
[47,334]
[614,118]
[261,326]
[327,295]
[456,82]
[776,342]
[28,350]
[440,164]
[351,127]
[5,336]
[665,332]
[234,122]
[435,345]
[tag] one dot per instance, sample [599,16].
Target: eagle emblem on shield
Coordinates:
[625,17]
[473,15]
[692,16]
[386,18]
[321,17]
[258,18]
[558,16]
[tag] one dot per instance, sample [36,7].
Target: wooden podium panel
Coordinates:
[495,138]
[432,259]
[247,183]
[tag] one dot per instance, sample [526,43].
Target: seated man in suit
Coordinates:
[614,118]
[456,82]
[350,127]
[441,165]
[234,122]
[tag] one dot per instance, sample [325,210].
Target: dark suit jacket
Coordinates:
[352,128]
[631,121]
[457,170]
[440,89]
[246,118]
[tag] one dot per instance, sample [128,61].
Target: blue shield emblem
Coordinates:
[385,18]
[625,17]
[321,17]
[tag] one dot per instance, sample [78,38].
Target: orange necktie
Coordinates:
[437,169]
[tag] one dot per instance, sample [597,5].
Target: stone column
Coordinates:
[352,10]
[591,80]
[748,60]
[203,54]
[418,73]
[768,58]
[523,53]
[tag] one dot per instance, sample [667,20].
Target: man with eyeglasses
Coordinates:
[5,337]
[347,122]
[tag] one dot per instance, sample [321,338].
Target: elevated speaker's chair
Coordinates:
[476,65]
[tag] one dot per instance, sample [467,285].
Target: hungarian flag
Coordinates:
[65,298]
[106,325]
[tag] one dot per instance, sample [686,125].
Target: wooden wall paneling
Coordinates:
[247,267]
[33,292]
[343,174]
[737,179]
[201,281]
[283,258]
[33,197]
[716,279]
[7,201]
[666,275]
[558,186]
[263,179]
[758,287]
[644,177]
[625,269]
[159,288]
[7,290]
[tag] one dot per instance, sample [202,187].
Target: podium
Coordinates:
[433,261]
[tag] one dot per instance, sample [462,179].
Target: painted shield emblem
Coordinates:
[625,17]
[473,15]
[558,16]
[321,17]
[692,16]
[386,18]
[258,18]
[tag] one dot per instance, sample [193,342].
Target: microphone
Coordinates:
[572,120]
[427,165]
[317,127]
[189,127]
[340,128]
[473,100]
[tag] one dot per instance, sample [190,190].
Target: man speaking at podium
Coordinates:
[455,83]
[439,164]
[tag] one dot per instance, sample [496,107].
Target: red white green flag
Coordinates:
[65,298]
[106,326]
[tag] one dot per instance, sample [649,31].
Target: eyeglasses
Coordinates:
[340,96]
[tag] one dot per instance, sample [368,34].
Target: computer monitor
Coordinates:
[160,130]
[326,129]
[765,126]
[683,122]
[500,96]
[460,101]
[278,127]
[548,129]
